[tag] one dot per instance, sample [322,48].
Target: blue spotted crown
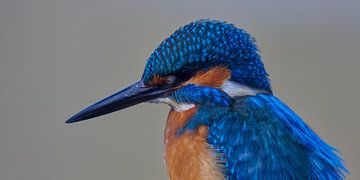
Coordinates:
[205,43]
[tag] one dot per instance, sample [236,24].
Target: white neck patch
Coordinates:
[234,89]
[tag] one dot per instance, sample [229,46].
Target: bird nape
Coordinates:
[224,122]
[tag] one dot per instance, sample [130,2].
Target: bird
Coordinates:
[224,120]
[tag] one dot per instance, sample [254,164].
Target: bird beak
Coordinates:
[132,95]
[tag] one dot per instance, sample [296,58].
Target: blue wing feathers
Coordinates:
[324,161]
[259,137]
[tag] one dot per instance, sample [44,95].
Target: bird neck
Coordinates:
[188,155]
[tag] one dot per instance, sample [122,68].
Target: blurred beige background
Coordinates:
[57,56]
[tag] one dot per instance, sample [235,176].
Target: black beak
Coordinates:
[132,95]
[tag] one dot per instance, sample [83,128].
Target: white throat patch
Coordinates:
[179,107]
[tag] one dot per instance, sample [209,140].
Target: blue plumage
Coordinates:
[259,137]
[195,94]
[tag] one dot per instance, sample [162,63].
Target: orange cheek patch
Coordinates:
[215,77]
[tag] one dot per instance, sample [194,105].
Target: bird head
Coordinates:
[204,62]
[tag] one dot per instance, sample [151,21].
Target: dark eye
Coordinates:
[184,75]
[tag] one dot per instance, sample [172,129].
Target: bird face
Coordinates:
[204,62]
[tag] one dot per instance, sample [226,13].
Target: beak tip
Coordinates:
[75,118]
[72,120]
[69,121]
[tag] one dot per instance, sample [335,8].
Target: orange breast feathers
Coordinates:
[188,156]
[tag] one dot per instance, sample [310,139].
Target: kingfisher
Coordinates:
[224,120]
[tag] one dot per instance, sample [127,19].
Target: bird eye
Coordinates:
[184,75]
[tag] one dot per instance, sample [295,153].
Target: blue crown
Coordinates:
[205,43]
